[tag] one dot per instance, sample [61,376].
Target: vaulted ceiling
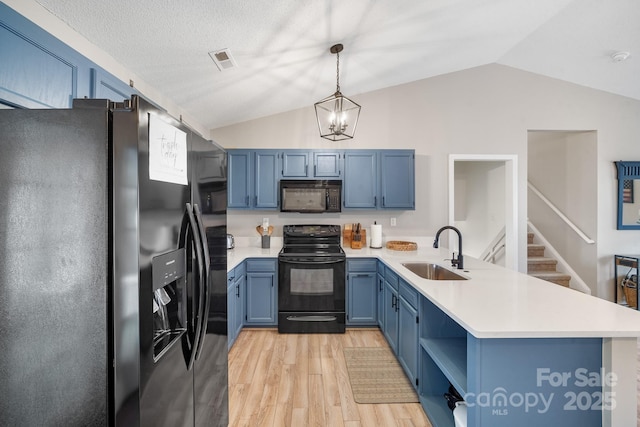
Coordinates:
[281,47]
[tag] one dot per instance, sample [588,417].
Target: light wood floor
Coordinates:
[301,380]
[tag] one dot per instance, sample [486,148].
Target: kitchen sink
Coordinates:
[431,271]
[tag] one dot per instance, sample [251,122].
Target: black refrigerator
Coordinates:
[113,305]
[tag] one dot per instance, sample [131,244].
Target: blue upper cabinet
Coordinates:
[104,85]
[317,164]
[372,179]
[327,164]
[397,179]
[360,184]
[38,71]
[383,179]
[253,179]
[239,185]
[266,179]
[295,164]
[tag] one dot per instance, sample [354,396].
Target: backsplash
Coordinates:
[242,224]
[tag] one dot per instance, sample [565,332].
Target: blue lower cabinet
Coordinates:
[390,330]
[506,382]
[380,280]
[408,329]
[362,292]
[261,292]
[390,309]
[235,302]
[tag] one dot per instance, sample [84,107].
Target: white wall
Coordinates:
[484,110]
[480,203]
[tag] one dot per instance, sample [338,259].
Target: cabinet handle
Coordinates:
[375,200]
[383,205]
[238,291]
[315,170]
[394,301]
[247,201]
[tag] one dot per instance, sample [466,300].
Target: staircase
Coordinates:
[542,267]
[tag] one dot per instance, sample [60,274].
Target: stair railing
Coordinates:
[576,281]
[496,246]
[562,216]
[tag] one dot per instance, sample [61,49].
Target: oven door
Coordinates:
[311,284]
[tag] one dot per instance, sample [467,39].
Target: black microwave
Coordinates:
[310,196]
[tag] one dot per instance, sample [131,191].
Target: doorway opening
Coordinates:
[483,204]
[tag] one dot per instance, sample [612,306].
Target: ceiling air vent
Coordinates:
[223,59]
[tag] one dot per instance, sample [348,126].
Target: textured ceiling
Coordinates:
[282,46]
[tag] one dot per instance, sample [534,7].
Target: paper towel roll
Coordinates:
[376,236]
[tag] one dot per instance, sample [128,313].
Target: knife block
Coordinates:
[358,244]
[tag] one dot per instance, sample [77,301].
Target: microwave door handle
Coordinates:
[205,288]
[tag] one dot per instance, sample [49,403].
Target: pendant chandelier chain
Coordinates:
[337,71]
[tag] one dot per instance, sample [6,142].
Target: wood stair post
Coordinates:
[543,267]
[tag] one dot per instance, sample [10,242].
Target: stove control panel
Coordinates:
[311,230]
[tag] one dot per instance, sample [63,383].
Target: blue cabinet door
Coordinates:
[295,164]
[260,303]
[231,309]
[327,164]
[301,164]
[104,85]
[239,295]
[380,284]
[397,179]
[37,70]
[266,179]
[253,179]
[408,339]
[235,303]
[390,330]
[239,185]
[362,298]
[360,185]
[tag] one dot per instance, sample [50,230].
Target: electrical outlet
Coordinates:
[393,222]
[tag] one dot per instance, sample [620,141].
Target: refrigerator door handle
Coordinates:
[205,289]
[195,239]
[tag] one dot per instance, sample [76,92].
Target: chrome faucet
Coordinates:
[455,262]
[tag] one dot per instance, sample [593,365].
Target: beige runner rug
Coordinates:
[377,377]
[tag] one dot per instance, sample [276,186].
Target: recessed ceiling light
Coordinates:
[223,59]
[620,56]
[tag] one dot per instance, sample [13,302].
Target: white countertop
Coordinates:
[495,302]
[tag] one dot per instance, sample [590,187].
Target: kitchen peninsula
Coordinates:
[520,350]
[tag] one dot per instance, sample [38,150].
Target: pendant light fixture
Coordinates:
[337,115]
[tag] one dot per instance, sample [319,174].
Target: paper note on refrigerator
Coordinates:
[167,152]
